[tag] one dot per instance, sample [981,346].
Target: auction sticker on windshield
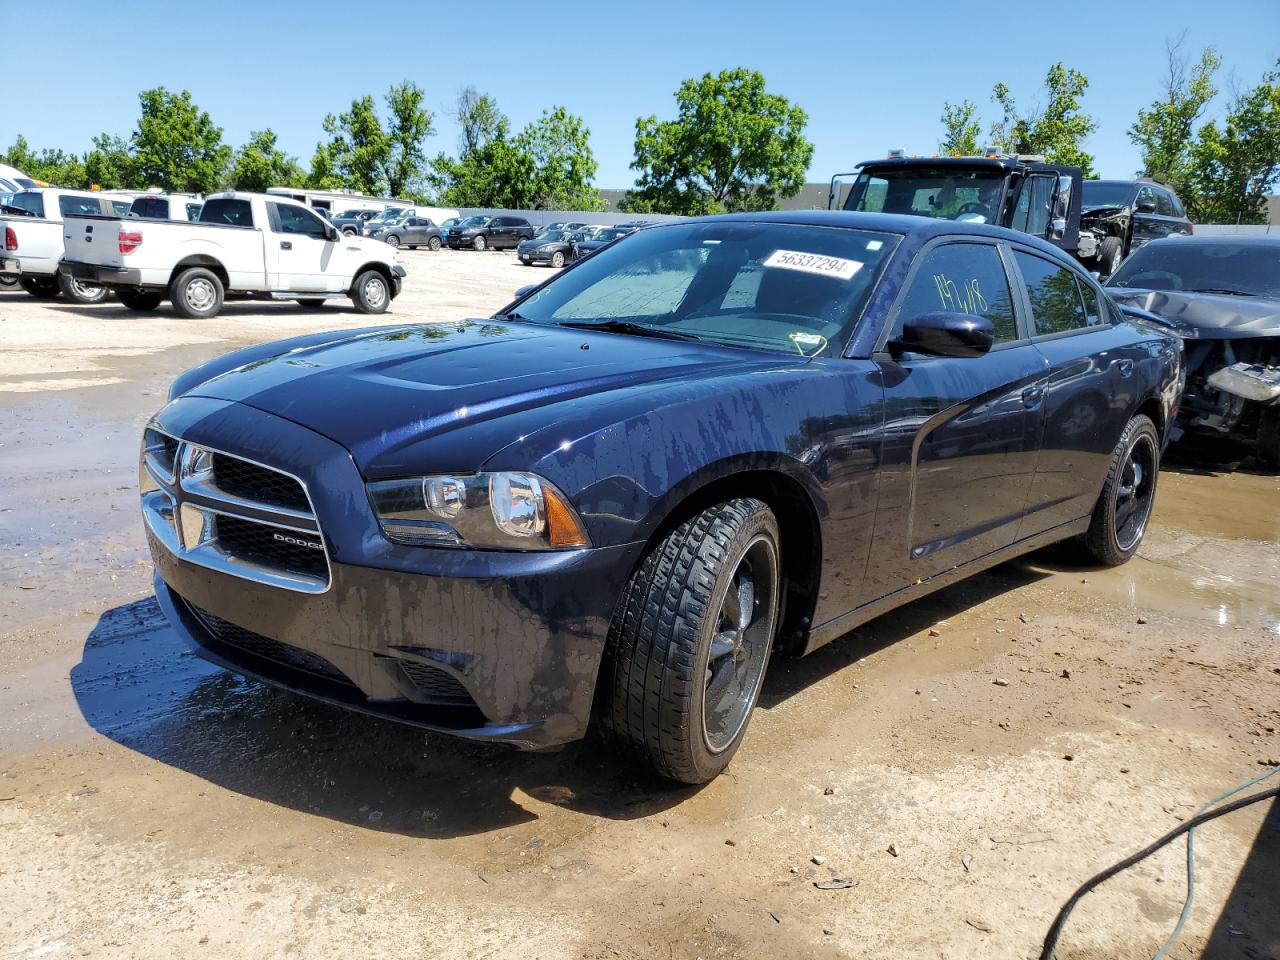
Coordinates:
[817,263]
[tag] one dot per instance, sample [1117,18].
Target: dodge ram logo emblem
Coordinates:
[297,541]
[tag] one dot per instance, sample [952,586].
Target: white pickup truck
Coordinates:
[250,245]
[32,222]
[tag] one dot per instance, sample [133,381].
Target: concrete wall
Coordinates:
[1237,229]
[540,217]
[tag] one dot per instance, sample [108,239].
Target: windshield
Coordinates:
[763,286]
[389,215]
[1106,193]
[971,196]
[1252,269]
[550,236]
[474,222]
[604,236]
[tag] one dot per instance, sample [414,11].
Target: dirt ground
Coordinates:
[1008,737]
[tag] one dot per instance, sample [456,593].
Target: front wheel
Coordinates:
[42,287]
[1110,253]
[433,244]
[8,281]
[1128,494]
[393,240]
[196,293]
[140,300]
[479,243]
[691,639]
[371,292]
[557,259]
[77,291]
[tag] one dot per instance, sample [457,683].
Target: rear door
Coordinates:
[304,249]
[1087,396]
[961,434]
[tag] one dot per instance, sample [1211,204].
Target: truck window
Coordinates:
[150,208]
[72,206]
[193,211]
[1034,206]
[33,203]
[298,221]
[228,210]
[120,207]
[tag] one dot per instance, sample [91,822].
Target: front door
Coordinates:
[961,434]
[304,248]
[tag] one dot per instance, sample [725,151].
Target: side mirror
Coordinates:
[945,335]
[526,290]
[331,233]
[1146,206]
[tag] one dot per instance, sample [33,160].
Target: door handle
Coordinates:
[1125,367]
[1033,394]
[286,245]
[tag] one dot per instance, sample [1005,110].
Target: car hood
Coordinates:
[1206,316]
[381,392]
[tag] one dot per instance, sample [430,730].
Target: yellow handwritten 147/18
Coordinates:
[966,298]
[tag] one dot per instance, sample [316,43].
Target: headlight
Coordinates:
[546,248]
[488,511]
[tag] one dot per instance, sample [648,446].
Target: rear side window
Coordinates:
[1056,306]
[72,206]
[962,278]
[193,211]
[1092,308]
[227,210]
[33,203]
[1178,209]
[1164,204]
[120,207]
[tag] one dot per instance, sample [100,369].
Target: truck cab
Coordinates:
[1022,193]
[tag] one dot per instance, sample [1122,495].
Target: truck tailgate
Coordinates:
[39,243]
[94,240]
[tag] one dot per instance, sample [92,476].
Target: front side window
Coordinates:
[1034,207]
[1056,306]
[1145,195]
[961,278]
[762,286]
[301,222]
[72,206]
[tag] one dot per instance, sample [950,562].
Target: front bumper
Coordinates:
[456,242]
[522,634]
[103,276]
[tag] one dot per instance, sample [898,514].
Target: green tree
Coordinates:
[110,164]
[556,149]
[408,127]
[732,146]
[1057,131]
[961,129]
[56,167]
[176,145]
[479,121]
[324,174]
[260,164]
[1165,129]
[1233,169]
[489,170]
[359,149]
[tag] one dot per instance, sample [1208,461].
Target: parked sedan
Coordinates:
[716,439]
[411,232]
[585,245]
[553,247]
[1222,295]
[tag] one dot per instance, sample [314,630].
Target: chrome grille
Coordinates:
[232,514]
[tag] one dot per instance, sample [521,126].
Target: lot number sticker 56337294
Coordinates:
[837,267]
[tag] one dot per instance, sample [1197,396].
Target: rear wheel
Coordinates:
[433,244]
[1128,494]
[45,288]
[1110,253]
[480,243]
[371,293]
[77,291]
[196,293]
[140,300]
[690,641]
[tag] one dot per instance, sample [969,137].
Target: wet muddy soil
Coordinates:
[1007,737]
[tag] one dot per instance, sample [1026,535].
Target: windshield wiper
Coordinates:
[1233,293]
[626,326]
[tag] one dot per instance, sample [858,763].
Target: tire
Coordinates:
[1110,253]
[141,300]
[371,293]
[479,244]
[79,292]
[8,281]
[1268,447]
[393,240]
[682,630]
[44,289]
[433,244]
[1124,508]
[557,259]
[197,293]
[310,303]
[348,231]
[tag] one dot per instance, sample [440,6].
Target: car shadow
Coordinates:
[139,685]
[1208,456]
[1249,924]
[113,309]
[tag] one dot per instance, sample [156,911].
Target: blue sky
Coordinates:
[871,76]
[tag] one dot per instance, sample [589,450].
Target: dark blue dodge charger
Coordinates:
[611,501]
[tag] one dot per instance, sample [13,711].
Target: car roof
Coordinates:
[920,228]
[1234,239]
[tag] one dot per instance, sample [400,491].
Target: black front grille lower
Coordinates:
[280,549]
[434,684]
[223,631]
[246,480]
